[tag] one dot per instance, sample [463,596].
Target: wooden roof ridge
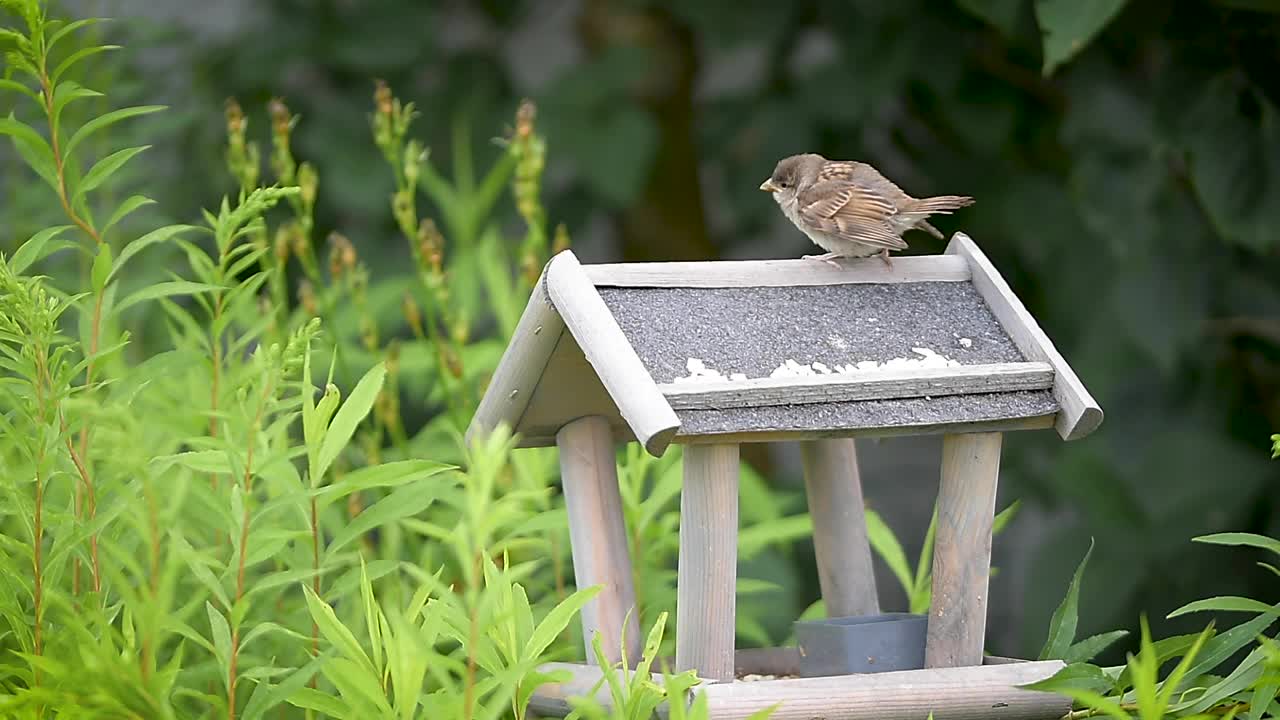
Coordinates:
[566,299]
[1079,414]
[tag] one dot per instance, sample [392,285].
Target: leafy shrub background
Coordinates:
[1129,195]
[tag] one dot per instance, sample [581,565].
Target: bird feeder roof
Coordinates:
[750,351]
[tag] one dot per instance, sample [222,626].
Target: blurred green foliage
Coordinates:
[1124,157]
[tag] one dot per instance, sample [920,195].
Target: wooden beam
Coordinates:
[1034,422]
[708,565]
[521,366]
[598,535]
[962,550]
[987,692]
[786,661]
[834,491]
[1080,414]
[777,273]
[886,384]
[611,356]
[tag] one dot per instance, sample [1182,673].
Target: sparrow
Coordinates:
[849,209]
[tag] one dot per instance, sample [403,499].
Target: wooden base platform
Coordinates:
[986,692]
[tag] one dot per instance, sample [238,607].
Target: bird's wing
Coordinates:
[851,212]
[866,175]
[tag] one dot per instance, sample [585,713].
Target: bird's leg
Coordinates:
[828,258]
[888,261]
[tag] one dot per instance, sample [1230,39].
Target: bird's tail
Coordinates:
[939,204]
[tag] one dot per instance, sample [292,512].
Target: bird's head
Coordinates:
[794,173]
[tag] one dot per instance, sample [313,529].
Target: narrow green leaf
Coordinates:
[1004,517]
[76,57]
[1090,647]
[33,149]
[259,704]
[1062,626]
[164,289]
[221,633]
[349,416]
[1224,603]
[1069,25]
[404,502]
[1217,650]
[556,621]
[133,202]
[1240,538]
[101,268]
[6,84]
[889,549]
[33,250]
[67,93]
[334,631]
[105,168]
[70,28]
[107,120]
[391,474]
[159,235]
[309,699]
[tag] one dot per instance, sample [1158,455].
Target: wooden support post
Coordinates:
[834,490]
[708,570]
[598,537]
[962,549]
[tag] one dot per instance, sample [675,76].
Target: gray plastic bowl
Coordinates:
[864,644]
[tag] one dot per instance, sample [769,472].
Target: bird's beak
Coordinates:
[768,186]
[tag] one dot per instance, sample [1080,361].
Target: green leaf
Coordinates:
[33,149]
[1224,603]
[70,28]
[33,250]
[1004,517]
[154,237]
[133,202]
[334,631]
[1076,676]
[221,633]
[1240,538]
[392,474]
[76,57]
[309,699]
[753,540]
[404,502]
[260,703]
[104,121]
[1090,647]
[1062,626]
[349,416]
[6,84]
[67,93]
[1069,25]
[889,549]
[165,289]
[1002,14]
[1226,644]
[105,168]
[556,621]
[101,268]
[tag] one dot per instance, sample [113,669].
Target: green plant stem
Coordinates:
[59,161]
[315,580]
[246,483]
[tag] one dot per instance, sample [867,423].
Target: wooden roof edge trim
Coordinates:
[522,364]
[885,384]
[610,354]
[1079,412]
[778,273]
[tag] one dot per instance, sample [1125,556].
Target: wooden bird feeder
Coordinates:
[714,354]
